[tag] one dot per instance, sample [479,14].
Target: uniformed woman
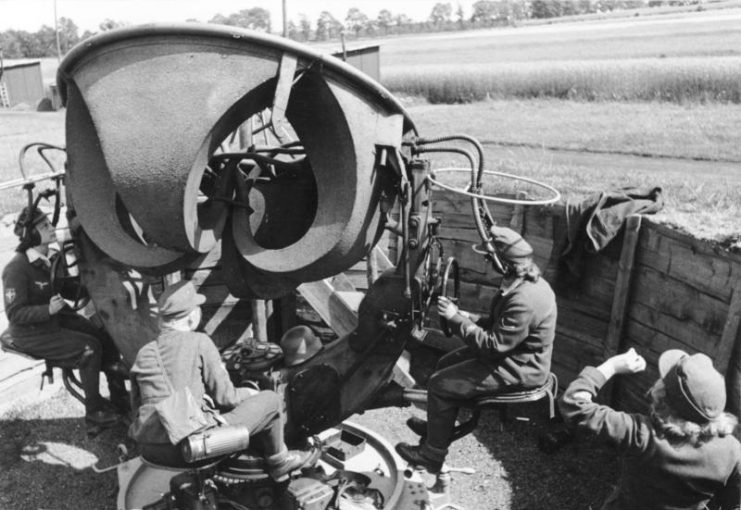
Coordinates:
[42,325]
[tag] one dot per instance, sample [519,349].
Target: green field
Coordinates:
[692,57]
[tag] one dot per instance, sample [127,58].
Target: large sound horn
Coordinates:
[147,109]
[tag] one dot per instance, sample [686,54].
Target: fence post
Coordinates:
[613,342]
[730,348]
[517,221]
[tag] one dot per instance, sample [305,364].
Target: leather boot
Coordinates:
[423,455]
[281,465]
[418,426]
[101,418]
[119,396]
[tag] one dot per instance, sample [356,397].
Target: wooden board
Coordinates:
[688,260]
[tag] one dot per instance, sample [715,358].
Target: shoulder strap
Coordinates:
[162,367]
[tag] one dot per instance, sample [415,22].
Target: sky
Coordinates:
[30,15]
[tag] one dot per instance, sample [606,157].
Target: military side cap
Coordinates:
[179,299]
[694,388]
[509,244]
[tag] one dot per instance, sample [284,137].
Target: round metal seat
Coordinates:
[502,401]
[202,465]
[549,389]
[70,380]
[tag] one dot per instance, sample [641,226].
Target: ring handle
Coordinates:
[555,194]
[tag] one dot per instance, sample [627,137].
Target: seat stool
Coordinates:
[500,401]
[69,379]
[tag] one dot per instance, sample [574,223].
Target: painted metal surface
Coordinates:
[147,109]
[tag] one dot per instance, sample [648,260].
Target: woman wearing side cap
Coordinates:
[508,350]
[680,456]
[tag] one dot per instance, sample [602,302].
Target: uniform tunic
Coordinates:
[32,329]
[510,349]
[657,473]
[516,339]
[191,359]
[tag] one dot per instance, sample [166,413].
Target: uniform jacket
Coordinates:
[657,474]
[516,339]
[190,359]
[27,291]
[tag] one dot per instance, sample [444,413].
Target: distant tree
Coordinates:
[384,20]
[32,46]
[327,26]
[356,20]
[293,31]
[569,8]
[43,43]
[587,6]
[304,27]
[87,34]
[484,11]
[255,18]
[441,14]
[402,20]
[545,8]
[9,44]
[68,34]
[460,16]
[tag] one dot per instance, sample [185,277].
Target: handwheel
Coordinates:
[450,289]
[433,271]
[62,282]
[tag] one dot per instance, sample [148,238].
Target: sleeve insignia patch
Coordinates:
[9,295]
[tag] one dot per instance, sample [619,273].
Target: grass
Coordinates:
[17,129]
[709,131]
[688,57]
[678,80]
[702,198]
[696,35]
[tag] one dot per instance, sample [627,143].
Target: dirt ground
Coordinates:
[46,461]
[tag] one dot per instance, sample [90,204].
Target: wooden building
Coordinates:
[22,82]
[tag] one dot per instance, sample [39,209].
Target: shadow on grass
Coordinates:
[47,464]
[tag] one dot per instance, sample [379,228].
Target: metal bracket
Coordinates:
[286,73]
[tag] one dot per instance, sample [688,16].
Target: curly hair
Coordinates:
[525,269]
[668,424]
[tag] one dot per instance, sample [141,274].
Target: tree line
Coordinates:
[356,24]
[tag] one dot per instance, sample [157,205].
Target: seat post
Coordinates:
[48,374]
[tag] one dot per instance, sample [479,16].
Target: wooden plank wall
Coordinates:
[681,293]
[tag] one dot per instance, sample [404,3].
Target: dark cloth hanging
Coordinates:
[588,227]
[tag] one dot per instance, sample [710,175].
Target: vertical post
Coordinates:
[622,285]
[622,290]
[259,320]
[517,222]
[285,19]
[56,32]
[287,313]
[730,348]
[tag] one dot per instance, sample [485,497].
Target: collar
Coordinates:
[33,255]
[506,290]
